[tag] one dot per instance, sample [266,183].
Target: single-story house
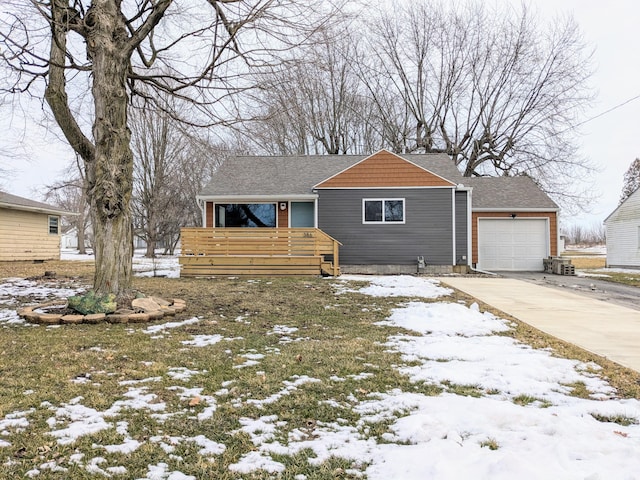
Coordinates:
[623,233]
[29,230]
[391,213]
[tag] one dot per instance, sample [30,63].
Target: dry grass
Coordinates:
[587,263]
[35,269]
[339,341]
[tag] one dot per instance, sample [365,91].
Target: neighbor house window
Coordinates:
[246,215]
[54,225]
[383,210]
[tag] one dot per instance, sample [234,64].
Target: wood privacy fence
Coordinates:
[258,251]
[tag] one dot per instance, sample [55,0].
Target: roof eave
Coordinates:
[518,209]
[256,198]
[48,211]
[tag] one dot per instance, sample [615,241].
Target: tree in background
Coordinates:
[494,88]
[197,52]
[173,161]
[631,180]
[317,105]
[71,195]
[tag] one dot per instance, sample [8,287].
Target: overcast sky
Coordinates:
[611,141]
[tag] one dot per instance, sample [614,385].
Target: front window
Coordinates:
[54,227]
[383,210]
[246,215]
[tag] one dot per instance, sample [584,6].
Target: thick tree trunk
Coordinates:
[110,174]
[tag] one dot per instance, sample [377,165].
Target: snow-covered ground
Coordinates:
[496,435]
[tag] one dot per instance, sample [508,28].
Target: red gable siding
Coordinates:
[385,169]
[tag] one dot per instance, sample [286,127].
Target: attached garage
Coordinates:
[512,243]
[514,224]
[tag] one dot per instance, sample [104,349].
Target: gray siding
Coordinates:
[462,237]
[427,230]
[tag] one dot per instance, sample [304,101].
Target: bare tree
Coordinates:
[158,149]
[490,87]
[71,194]
[583,234]
[317,105]
[197,52]
[631,180]
[172,163]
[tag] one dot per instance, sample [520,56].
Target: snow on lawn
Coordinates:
[13,288]
[451,436]
[520,422]
[398,286]
[161,266]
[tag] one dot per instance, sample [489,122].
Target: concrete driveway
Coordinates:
[604,328]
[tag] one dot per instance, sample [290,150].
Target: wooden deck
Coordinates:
[258,251]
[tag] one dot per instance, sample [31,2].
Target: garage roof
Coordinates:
[508,193]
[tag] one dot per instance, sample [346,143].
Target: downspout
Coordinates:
[453,225]
[476,270]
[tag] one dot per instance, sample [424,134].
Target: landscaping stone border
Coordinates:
[133,315]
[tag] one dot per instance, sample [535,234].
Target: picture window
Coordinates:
[383,210]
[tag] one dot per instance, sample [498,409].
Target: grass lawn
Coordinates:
[176,395]
[591,264]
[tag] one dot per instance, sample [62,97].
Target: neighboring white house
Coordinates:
[623,233]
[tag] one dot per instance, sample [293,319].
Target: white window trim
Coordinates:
[49,217]
[383,222]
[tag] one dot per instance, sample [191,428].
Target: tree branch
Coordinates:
[56,94]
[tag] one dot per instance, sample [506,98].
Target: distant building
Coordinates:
[29,230]
[623,233]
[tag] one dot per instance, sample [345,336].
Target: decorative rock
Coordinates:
[91,303]
[157,315]
[74,319]
[161,301]
[139,317]
[49,318]
[145,304]
[122,315]
[95,318]
[180,307]
[31,317]
[115,318]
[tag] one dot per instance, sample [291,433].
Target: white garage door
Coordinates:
[512,244]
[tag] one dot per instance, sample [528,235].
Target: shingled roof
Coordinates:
[19,203]
[297,175]
[512,193]
[269,176]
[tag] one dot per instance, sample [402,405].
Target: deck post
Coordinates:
[336,263]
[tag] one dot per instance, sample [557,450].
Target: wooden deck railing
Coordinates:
[254,250]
